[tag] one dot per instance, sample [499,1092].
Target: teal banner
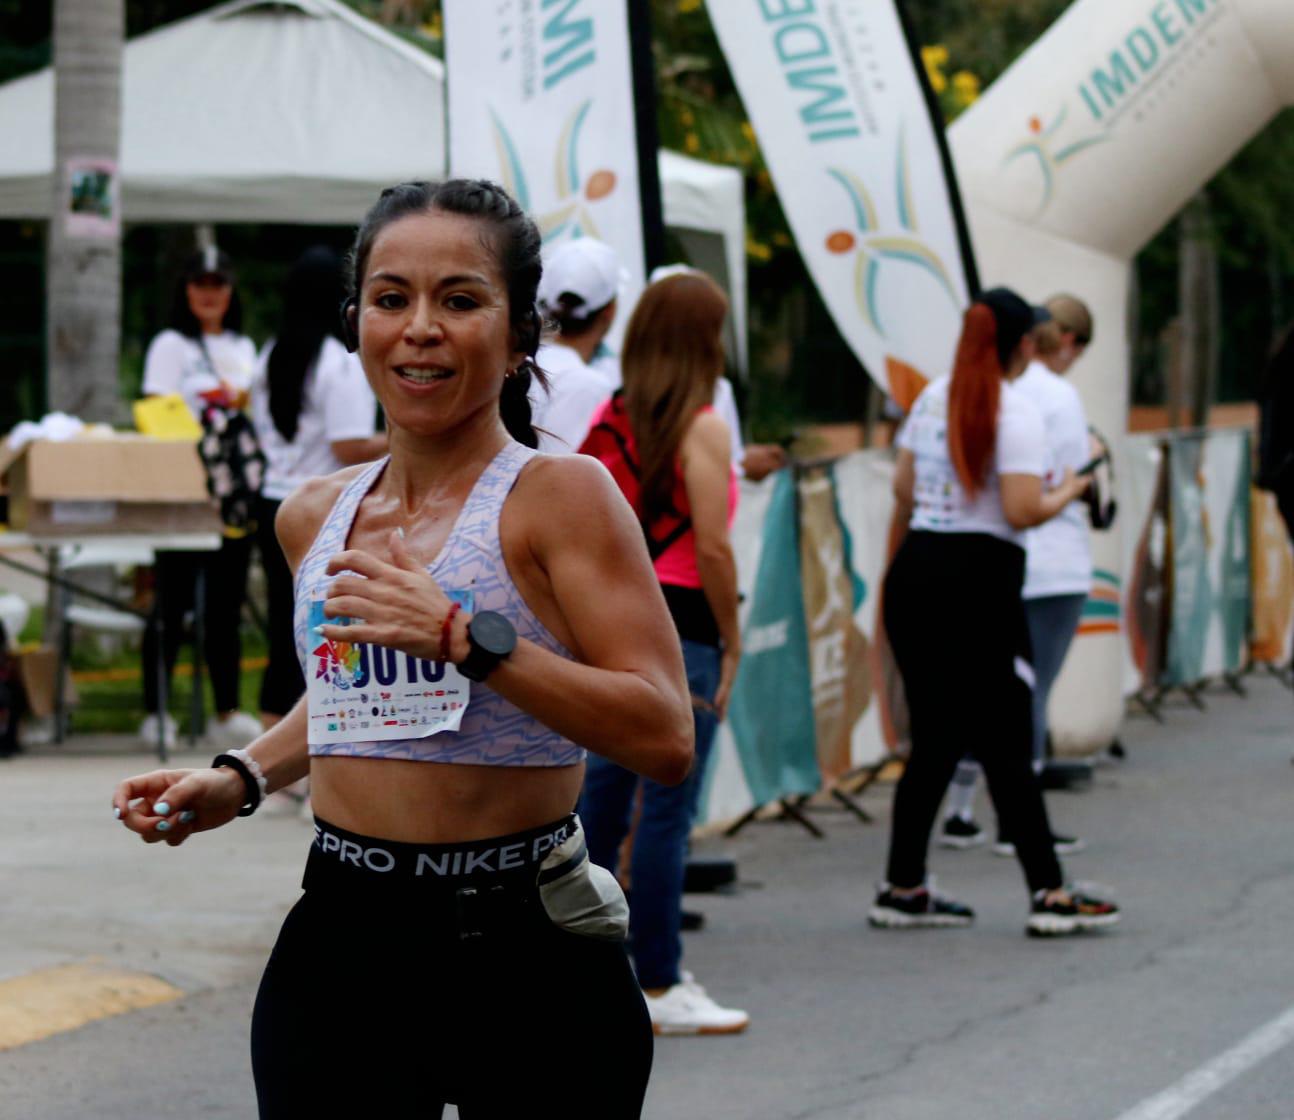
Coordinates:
[772,702]
[1236,598]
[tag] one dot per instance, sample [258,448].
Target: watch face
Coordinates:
[493,633]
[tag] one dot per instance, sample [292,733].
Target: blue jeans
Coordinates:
[1053,621]
[660,841]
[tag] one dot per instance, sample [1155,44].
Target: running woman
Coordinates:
[968,483]
[453,942]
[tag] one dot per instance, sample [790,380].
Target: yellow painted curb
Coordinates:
[59,999]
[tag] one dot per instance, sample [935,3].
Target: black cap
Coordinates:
[209,262]
[1015,317]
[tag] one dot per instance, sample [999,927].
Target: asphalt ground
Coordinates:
[1176,1013]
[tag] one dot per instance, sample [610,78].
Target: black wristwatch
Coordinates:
[490,638]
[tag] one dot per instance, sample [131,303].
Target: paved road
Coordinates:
[1193,832]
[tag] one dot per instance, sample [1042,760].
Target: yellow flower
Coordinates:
[686,118]
[692,142]
[686,6]
[965,88]
[757,249]
[935,59]
[748,131]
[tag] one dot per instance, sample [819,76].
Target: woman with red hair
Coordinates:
[969,482]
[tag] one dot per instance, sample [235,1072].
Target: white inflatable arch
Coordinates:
[1075,158]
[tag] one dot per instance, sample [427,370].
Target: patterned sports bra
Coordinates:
[493,732]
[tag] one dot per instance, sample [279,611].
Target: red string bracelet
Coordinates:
[446,630]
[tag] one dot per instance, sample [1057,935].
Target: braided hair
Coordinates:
[517,248]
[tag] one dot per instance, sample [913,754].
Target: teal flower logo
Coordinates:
[576,191]
[1041,147]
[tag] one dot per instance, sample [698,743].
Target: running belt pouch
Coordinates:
[580,897]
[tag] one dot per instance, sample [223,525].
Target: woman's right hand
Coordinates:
[1074,485]
[727,678]
[189,801]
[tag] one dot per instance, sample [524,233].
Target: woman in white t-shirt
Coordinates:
[968,483]
[314,413]
[204,357]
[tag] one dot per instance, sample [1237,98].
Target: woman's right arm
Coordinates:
[164,365]
[202,799]
[706,458]
[1026,504]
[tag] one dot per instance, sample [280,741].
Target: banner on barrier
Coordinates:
[1272,563]
[1144,508]
[772,710]
[1192,589]
[540,99]
[838,651]
[1227,470]
[854,145]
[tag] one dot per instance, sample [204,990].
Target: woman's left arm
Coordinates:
[626,696]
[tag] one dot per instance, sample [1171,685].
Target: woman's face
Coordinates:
[209,298]
[434,335]
[1070,351]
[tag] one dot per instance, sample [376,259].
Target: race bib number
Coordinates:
[361,693]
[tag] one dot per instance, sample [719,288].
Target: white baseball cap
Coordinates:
[584,267]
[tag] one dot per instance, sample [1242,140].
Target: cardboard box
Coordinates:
[128,484]
[38,671]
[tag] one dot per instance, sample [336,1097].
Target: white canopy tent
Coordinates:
[300,111]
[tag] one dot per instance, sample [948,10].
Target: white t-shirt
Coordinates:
[176,363]
[725,402]
[575,392]
[1060,552]
[336,404]
[942,504]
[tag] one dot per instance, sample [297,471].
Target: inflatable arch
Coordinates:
[1074,159]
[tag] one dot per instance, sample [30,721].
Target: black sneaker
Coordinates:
[1079,914]
[922,910]
[1064,846]
[959,833]
[691,921]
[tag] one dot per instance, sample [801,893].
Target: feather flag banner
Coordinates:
[854,142]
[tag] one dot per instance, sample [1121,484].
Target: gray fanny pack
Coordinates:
[579,896]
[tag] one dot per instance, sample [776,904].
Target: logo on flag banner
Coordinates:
[835,96]
[541,101]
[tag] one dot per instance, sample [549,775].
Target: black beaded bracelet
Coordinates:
[253,789]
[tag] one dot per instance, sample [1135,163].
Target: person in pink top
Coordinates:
[669,452]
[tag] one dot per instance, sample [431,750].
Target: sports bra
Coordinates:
[493,731]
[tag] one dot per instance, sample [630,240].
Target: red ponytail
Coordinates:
[973,398]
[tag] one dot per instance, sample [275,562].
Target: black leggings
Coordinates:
[956,623]
[282,685]
[225,572]
[373,1007]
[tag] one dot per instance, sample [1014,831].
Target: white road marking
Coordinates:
[1197,1086]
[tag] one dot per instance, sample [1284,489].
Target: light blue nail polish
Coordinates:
[163,826]
[187,816]
[162,809]
[116,812]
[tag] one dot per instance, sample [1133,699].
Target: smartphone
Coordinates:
[1089,467]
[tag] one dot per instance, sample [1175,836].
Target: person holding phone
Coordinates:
[968,483]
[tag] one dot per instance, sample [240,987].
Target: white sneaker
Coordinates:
[237,730]
[148,730]
[687,1009]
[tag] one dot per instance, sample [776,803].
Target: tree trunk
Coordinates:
[1201,311]
[84,248]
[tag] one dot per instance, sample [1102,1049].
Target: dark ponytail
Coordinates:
[517,247]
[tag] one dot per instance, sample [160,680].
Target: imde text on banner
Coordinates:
[835,95]
[541,100]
